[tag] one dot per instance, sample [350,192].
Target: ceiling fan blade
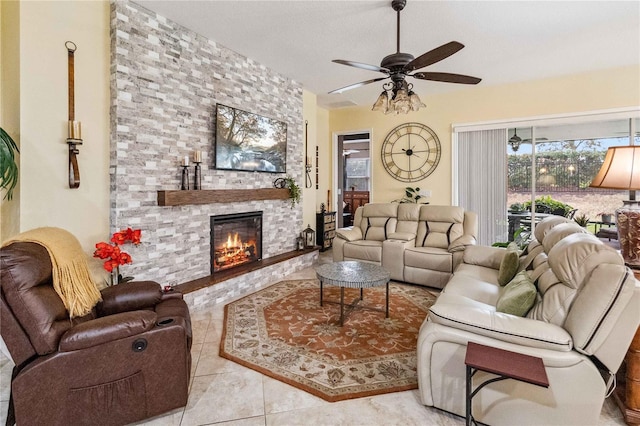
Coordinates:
[361,65]
[353,86]
[447,77]
[435,55]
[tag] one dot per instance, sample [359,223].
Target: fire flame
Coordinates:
[234,252]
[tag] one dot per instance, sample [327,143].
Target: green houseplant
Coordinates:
[546,204]
[582,220]
[294,190]
[8,165]
[411,195]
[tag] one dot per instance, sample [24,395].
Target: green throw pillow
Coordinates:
[518,296]
[508,266]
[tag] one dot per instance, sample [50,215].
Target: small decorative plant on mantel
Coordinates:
[114,257]
[294,190]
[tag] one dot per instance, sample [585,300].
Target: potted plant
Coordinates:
[114,257]
[411,195]
[606,217]
[582,220]
[546,204]
[294,190]
[8,166]
[516,208]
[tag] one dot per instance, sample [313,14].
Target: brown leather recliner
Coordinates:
[128,360]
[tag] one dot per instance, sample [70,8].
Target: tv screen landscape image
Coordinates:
[249,142]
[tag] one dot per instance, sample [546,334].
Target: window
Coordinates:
[357,174]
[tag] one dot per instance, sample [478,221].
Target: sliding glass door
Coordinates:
[513,176]
[553,172]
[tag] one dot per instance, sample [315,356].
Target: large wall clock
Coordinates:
[411,152]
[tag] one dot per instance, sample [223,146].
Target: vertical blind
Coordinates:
[482,181]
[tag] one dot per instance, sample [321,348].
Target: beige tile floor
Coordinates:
[225,393]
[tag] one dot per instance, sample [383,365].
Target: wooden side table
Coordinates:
[627,394]
[505,364]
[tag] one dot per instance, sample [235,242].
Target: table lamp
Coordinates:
[621,170]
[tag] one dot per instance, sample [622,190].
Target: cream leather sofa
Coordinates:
[586,313]
[417,243]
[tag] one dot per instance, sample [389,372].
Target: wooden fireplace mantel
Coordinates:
[210,196]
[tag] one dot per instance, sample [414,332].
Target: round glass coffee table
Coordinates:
[351,274]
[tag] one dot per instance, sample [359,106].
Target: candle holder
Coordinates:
[185,178]
[197,178]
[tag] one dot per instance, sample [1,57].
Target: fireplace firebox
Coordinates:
[236,239]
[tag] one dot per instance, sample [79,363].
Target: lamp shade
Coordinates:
[620,170]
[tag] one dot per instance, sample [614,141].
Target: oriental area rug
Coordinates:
[283,332]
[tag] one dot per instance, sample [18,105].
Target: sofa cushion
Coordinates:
[549,223]
[489,257]
[436,259]
[518,296]
[476,283]
[408,218]
[508,266]
[378,221]
[467,314]
[368,251]
[560,232]
[439,226]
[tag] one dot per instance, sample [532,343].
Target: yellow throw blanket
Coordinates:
[71,278]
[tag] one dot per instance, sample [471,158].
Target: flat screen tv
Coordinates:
[250,142]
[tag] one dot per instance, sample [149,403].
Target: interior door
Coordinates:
[354,175]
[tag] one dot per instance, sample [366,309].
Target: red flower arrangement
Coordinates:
[114,257]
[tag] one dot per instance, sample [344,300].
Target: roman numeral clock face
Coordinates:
[411,152]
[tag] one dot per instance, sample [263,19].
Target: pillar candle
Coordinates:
[197,156]
[185,161]
[75,130]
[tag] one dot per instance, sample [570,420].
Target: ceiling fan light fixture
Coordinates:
[382,103]
[400,102]
[415,101]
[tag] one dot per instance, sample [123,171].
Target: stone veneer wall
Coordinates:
[165,83]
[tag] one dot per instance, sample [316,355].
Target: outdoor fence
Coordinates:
[554,173]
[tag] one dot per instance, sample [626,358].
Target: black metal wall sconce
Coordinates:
[75,132]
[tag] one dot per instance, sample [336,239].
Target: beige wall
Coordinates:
[10,105]
[46,199]
[598,90]
[318,130]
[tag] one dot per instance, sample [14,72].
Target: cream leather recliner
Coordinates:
[585,316]
[417,243]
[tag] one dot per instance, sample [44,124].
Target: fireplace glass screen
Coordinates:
[236,239]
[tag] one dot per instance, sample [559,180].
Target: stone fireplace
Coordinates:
[165,83]
[236,239]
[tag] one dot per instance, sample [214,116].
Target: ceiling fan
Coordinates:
[398,66]
[515,141]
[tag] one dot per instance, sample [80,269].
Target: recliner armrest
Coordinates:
[401,236]
[489,257]
[462,243]
[352,234]
[465,314]
[107,329]
[130,296]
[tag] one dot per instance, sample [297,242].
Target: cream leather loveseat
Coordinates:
[583,320]
[417,243]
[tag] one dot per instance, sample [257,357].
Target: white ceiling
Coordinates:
[506,41]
